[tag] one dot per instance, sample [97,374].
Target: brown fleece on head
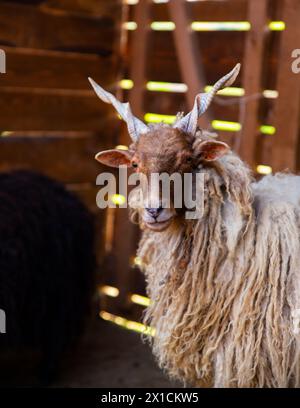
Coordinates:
[164,149]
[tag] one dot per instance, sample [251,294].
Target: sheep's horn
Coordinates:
[134,125]
[202,101]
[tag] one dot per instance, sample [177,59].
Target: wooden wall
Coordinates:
[260,50]
[50,119]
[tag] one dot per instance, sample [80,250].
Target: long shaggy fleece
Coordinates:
[224,296]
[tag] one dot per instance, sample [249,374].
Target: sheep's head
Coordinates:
[165,149]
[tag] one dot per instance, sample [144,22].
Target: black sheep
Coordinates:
[46,265]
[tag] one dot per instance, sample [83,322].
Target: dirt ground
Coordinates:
[113,357]
[107,356]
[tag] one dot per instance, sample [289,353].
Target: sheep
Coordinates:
[224,288]
[47,265]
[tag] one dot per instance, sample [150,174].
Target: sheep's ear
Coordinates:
[114,158]
[210,150]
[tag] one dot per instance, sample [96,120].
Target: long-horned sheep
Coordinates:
[224,288]
[47,266]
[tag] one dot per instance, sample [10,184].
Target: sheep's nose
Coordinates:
[154,212]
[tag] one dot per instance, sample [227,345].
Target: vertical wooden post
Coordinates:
[252,77]
[188,57]
[126,233]
[138,57]
[284,149]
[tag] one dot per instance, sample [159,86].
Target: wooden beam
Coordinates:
[139,56]
[189,59]
[51,110]
[34,27]
[233,10]
[219,52]
[120,232]
[252,79]
[286,116]
[70,160]
[169,103]
[92,7]
[27,67]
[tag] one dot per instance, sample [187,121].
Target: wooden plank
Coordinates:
[55,69]
[139,57]
[286,115]
[228,10]
[220,51]
[94,7]
[124,248]
[31,2]
[168,70]
[189,59]
[70,160]
[69,134]
[271,59]
[213,44]
[170,103]
[252,79]
[42,109]
[264,149]
[33,27]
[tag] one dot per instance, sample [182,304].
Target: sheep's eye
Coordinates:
[134,164]
[189,159]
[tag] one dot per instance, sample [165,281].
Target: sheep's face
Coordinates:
[163,150]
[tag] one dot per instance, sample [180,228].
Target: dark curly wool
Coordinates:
[46,265]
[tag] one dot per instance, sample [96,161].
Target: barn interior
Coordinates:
[156,54]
